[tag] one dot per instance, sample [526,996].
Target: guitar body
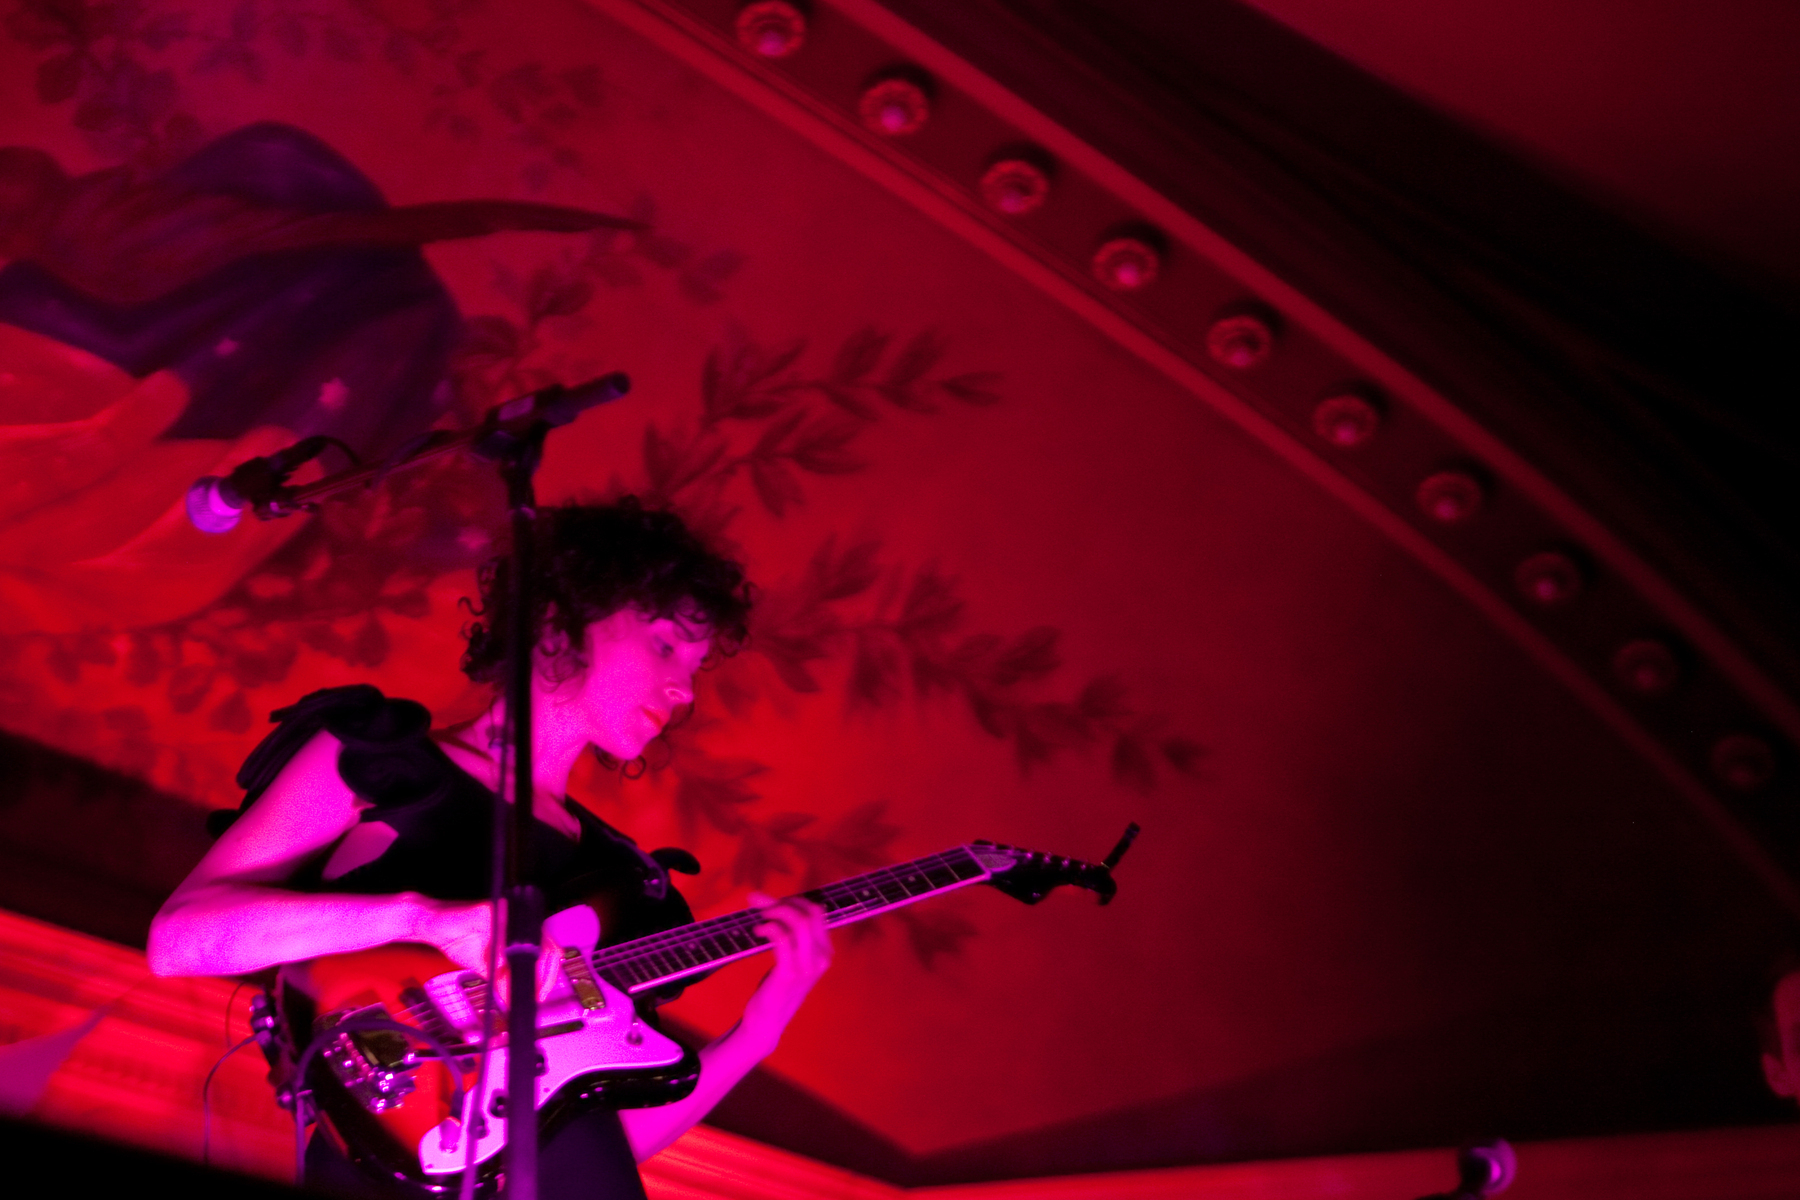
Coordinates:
[370,981]
[393,1098]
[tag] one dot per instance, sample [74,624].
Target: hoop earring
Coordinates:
[629,770]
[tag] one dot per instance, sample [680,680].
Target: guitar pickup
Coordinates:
[581,977]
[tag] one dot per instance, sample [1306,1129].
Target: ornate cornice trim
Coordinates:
[1723,738]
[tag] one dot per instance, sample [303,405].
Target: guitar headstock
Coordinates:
[1030,875]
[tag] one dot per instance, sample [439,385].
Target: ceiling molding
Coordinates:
[1722,732]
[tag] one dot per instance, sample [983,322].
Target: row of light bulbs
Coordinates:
[898,103]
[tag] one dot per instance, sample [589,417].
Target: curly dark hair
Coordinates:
[591,560]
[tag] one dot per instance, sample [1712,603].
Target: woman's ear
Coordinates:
[558,658]
[554,644]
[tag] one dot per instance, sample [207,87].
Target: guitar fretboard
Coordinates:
[663,957]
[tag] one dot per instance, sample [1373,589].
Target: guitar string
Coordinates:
[849,899]
[846,899]
[681,952]
[859,896]
[703,928]
[841,897]
[890,886]
[854,898]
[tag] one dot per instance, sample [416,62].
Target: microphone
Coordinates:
[216,505]
[213,505]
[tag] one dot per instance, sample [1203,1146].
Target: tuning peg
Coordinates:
[1118,851]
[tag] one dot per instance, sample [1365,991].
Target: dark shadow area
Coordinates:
[76,1165]
[1649,1065]
[88,848]
[1639,1071]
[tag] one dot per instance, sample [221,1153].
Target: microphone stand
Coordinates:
[518,460]
[511,436]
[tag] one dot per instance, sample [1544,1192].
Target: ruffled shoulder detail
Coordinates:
[387,758]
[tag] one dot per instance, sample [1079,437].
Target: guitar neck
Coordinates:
[661,958]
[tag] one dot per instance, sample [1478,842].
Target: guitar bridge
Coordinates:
[375,1067]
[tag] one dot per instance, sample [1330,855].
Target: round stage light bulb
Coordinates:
[1742,762]
[1126,264]
[1449,497]
[1015,186]
[771,28]
[1346,420]
[894,107]
[1241,342]
[1646,666]
[1549,579]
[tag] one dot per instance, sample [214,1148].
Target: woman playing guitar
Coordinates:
[362,828]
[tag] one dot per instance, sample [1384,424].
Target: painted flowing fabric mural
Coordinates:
[1014,583]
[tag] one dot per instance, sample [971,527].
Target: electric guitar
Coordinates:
[398,1037]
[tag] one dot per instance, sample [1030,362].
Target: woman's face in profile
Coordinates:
[640,669]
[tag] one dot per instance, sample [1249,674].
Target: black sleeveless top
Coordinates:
[443,820]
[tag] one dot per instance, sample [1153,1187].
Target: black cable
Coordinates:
[206,1099]
[229,1001]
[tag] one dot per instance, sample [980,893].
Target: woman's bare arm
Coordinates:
[232,916]
[796,927]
